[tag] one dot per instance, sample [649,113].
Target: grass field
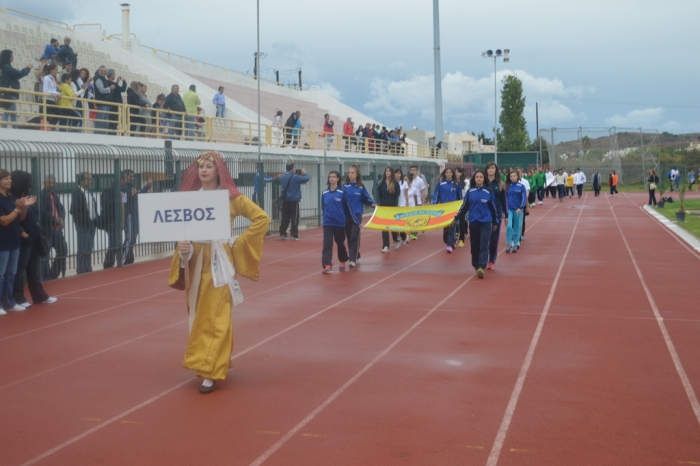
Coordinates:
[692,222]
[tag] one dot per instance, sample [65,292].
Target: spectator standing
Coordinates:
[328,130]
[145,103]
[83,209]
[116,98]
[359,134]
[29,262]
[9,78]
[80,87]
[258,186]
[347,134]
[298,126]
[133,99]
[653,182]
[277,128]
[612,180]
[51,51]
[691,179]
[109,220]
[52,218]
[597,182]
[675,178]
[50,87]
[66,53]
[220,101]
[71,118]
[129,199]
[12,212]
[291,197]
[289,128]
[161,120]
[103,96]
[174,103]
[192,102]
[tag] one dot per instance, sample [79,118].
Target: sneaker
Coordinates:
[532,205]
[491,266]
[50,300]
[540,202]
[16,308]
[25,305]
[460,244]
[404,243]
[480,273]
[397,244]
[3,312]
[358,260]
[283,238]
[515,249]
[294,238]
[385,249]
[352,264]
[342,267]
[522,238]
[509,249]
[449,249]
[328,269]
[414,236]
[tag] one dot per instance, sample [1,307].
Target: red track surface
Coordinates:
[556,358]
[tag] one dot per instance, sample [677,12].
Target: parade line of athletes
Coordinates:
[491,197]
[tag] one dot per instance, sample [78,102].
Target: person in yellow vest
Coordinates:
[208,270]
[570,185]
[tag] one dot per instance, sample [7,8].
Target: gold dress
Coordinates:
[210,342]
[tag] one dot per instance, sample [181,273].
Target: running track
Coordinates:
[581,349]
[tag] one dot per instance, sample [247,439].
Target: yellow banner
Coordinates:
[420,218]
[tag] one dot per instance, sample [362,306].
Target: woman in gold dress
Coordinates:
[207,272]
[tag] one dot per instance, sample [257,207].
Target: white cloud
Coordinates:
[329,89]
[467,100]
[645,118]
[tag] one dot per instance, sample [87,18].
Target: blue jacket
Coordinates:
[355,196]
[11,76]
[256,182]
[333,205]
[50,50]
[479,204]
[516,197]
[293,193]
[447,191]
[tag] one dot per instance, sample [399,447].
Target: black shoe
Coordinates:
[205,390]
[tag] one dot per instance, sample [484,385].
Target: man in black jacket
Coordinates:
[116,97]
[83,209]
[174,103]
[52,217]
[66,54]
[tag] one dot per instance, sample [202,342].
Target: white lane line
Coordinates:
[515,395]
[690,393]
[270,451]
[86,315]
[192,379]
[38,374]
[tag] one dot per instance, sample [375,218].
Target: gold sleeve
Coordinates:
[247,250]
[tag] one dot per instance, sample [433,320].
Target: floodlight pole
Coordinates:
[438,73]
[261,179]
[495,111]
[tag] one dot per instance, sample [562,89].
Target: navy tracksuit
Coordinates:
[333,205]
[481,212]
[355,198]
[448,191]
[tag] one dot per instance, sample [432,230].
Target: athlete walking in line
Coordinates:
[494,182]
[389,192]
[356,196]
[464,183]
[479,207]
[403,184]
[448,190]
[333,207]
[516,198]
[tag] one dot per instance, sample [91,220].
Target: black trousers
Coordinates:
[540,193]
[522,227]
[463,225]
[385,238]
[553,191]
[55,241]
[29,267]
[614,189]
[493,242]
[480,234]
[352,233]
[531,197]
[112,247]
[652,197]
[596,189]
[570,190]
[562,191]
[448,235]
[579,189]
[290,214]
[287,136]
[331,234]
[130,234]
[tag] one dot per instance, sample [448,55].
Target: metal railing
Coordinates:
[49,21]
[152,169]
[39,111]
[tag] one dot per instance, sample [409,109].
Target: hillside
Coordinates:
[628,139]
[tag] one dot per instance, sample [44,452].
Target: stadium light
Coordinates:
[505,53]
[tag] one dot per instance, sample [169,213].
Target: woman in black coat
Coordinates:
[389,192]
[133,99]
[10,79]
[29,263]
[653,183]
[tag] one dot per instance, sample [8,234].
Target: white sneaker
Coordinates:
[26,305]
[404,243]
[358,260]
[540,202]
[397,244]
[351,264]
[2,312]
[50,300]
[17,308]
[385,249]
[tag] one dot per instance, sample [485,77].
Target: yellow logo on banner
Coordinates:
[419,218]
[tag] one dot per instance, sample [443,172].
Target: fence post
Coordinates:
[178,175]
[168,157]
[319,213]
[36,178]
[118,213]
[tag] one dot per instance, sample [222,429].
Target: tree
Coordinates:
[486,141]
[586,143]
[535,147]
[513,136]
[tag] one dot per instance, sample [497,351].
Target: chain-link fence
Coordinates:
[114,171]
[630,152]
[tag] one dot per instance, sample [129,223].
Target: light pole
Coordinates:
[491,54]
[261,175]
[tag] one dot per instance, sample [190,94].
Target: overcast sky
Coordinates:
[592,63]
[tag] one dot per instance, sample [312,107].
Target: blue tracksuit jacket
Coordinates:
[479,205]
[333,204]
[355,196]
[447,191]
[516,197]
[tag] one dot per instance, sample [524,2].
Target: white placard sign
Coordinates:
[184,216]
